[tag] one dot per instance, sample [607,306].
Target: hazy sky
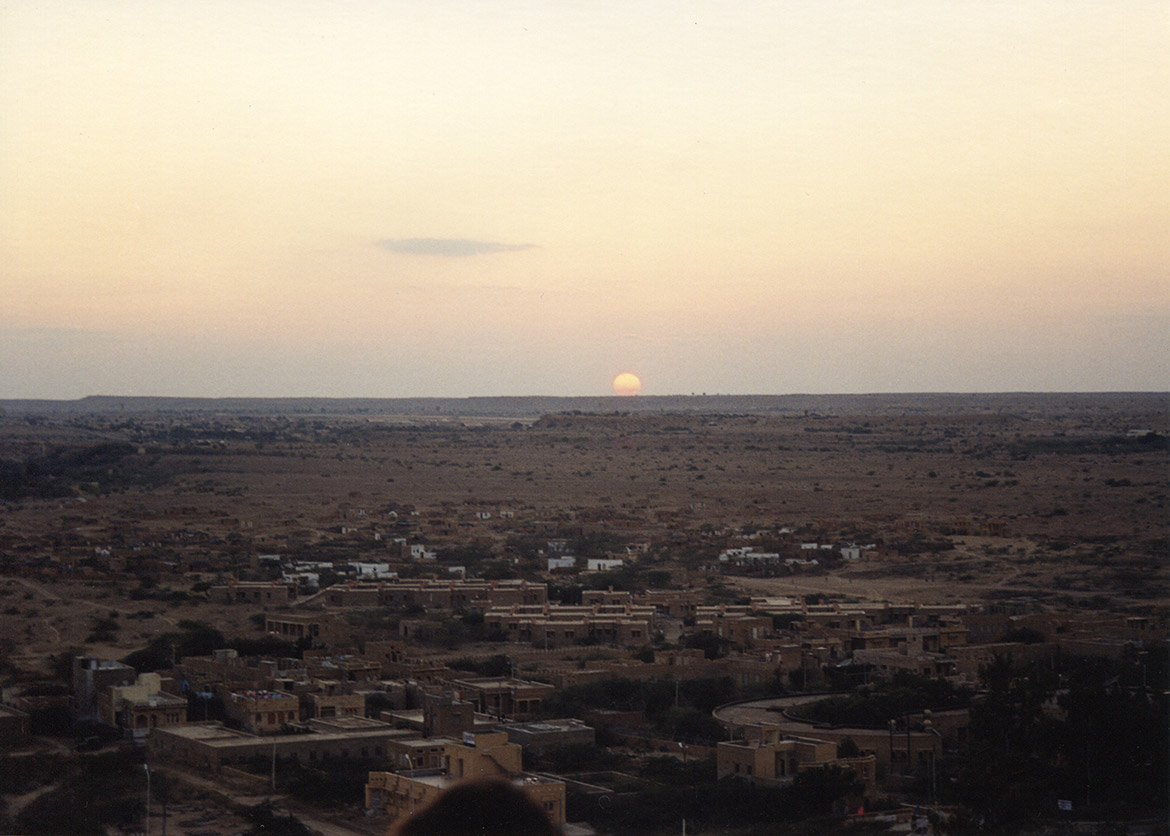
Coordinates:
[510,198]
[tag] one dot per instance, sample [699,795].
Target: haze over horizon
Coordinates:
[442,200]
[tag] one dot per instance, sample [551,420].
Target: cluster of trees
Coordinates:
[336,782]
[266,821]
[197,638]
[497,665]
[681,710]
[86,795]
[875,706]
[1113,445]
[1087,731]
[690,792]
[107,465]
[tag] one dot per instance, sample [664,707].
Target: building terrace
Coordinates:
[211,746]
[468,595]
[559,624]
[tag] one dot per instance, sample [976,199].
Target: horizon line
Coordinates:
[607,396]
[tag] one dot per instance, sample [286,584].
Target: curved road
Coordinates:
[763,712]
[768,712]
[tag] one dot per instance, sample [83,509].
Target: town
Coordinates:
[749,618]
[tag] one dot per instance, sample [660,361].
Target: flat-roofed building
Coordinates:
[261,711]
[763,666]
[446,716]
[502,696]
[540,734]
[442,715]
[347,668]
[326,705]
[478,755]
[141,707]
[257,593]
[608,597]
[319,629]
[211,746]
[774,758]
[557,625]
[91,677]
[471,595]
[888,662]
[226,668]
[675,603]
[743,630]
[400,662]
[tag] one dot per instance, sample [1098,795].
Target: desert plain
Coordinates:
[127,511]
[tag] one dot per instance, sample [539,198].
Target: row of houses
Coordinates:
[555,624]
[457,594]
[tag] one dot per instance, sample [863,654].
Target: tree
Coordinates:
[712,646]
[848,748]
[266,822]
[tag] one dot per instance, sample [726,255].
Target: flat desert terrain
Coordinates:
[1059,499]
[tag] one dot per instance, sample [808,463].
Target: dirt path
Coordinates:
[17,803]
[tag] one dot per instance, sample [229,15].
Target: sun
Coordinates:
[626,384]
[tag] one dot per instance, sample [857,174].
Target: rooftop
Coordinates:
[537,727]
[218,736]
[261,694]
[157,701]
[347,724]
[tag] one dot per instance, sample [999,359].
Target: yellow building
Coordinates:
[325,705]
[480,755]
[140,707]
[517,699]
[319,629]
[261,711]
[775,757]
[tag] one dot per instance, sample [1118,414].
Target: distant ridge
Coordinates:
[536,405]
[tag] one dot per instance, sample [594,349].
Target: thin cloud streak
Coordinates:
[448,247]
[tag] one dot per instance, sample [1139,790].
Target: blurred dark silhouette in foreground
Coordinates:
[478,808]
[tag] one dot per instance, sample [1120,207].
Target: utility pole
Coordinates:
[147,768]
[1089,769]
[933,779]
[907,743]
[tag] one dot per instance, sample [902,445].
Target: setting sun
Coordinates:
[627,384]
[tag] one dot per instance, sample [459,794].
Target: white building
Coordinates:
[420,552]
[376,571]
[747,554]
[602,564]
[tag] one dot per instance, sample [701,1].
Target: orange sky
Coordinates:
[398,199]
